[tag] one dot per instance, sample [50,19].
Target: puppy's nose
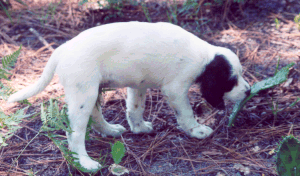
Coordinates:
[248,92]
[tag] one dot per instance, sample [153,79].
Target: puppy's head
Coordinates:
[222,79]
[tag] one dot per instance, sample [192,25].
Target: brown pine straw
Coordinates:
[258,44]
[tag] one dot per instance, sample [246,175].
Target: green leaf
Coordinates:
[279,78]
[288,157]
[118,151]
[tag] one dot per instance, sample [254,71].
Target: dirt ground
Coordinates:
[249,30]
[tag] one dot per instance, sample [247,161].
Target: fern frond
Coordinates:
[7,62]
[67,154]
[53,119]
[2,74]
[11,124]
[5,91]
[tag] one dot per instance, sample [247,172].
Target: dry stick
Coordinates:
[41,39]
[290,129]
[134,155]
[46,26]
[154,144]
[217,164]
[41,49]
[7,38]
[22,151]
[188,157]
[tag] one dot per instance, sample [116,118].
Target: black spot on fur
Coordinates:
[176,112]
[81,106]
[79,86]
[216,80]
[142,81]
[136,106]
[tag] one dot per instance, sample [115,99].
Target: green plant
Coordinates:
[239,1]
[221,2]
[67,154]
[51,10]
[7,62]
[297,20]
[10,124]
[279,78]
[115,6]
[277,22]
[189,8]
[118,151]
[274,104]
[146,12]
[31,173]
[5,91]
[174,10]
[54,119]
[6,5]
[288,157]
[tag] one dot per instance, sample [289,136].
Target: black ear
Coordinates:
[216,80]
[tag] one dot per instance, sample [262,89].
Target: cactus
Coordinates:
[288,157]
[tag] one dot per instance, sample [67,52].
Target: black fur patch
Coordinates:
[216,80]
[81,106]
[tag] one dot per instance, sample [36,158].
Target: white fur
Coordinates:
[138,56]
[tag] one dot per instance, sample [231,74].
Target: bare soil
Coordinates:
[248,29]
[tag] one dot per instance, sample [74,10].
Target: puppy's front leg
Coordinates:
[135,103]
[178,99]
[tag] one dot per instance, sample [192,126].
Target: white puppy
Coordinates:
[138,55]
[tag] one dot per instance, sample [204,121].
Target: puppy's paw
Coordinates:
[114,130]
[200,131]
[142,127]
[89,164]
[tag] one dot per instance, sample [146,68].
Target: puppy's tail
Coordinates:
[40,84]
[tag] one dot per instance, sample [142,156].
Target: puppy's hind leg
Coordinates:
[101,125]
[135,103]
[80,106]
